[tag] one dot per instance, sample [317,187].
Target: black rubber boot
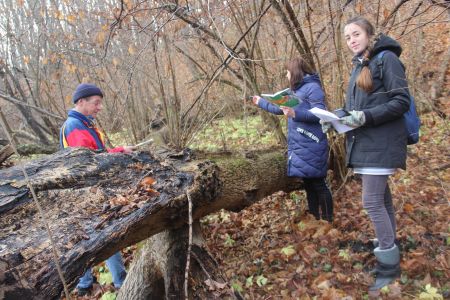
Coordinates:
[388,267]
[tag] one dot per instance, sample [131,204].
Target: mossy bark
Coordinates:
[97,204]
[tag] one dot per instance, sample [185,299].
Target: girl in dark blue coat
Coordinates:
[307,144]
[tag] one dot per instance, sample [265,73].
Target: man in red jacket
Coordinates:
[79,130]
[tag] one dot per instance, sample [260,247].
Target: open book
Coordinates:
[282,98]
[144,143]
[327,116]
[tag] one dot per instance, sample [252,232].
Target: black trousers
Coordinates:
[320,202]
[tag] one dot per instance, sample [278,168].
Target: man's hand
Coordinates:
[128,149]
[355,119]
[288,111]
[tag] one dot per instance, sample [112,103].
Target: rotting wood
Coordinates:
[80,188]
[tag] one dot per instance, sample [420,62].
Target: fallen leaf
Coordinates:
[148,181]
[119,200]
[324,285]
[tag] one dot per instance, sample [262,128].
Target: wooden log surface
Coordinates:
[99,203]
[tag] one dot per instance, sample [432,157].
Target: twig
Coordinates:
[225,62]
[42,111]
[188,259]
[201,265]
[41,213]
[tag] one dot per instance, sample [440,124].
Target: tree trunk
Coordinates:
[159,270]
[5,153]
[99,203]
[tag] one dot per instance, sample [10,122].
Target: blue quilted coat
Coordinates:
[307,144]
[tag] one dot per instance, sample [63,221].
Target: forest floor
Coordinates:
[275,250]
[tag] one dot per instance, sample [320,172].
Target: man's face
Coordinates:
[90,106]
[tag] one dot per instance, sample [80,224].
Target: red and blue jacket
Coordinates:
[80,131]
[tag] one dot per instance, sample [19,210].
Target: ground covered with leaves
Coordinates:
[275,250]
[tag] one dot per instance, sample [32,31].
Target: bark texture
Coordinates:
[99,203]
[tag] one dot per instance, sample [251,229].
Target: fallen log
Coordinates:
[99,203]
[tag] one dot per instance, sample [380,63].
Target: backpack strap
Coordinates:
[380,62]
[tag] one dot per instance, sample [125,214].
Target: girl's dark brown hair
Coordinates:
[364,80]
[298,67]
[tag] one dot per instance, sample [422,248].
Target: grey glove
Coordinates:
[355,119]
[326,126]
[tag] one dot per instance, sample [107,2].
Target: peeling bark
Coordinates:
[98,203]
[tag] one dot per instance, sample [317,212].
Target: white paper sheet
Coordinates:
[327,116]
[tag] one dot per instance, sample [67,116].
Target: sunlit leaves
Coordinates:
[236,286]
[249,281]
[109,296]
[344,254]
[229,242]
[261,280]
[430,293]
[288,251]
[105,277]
[224,216]
[385,290]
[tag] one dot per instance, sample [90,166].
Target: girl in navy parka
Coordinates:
[307,144]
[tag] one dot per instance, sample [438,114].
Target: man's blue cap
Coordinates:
[85,90]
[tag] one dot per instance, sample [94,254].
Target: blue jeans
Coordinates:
[115,266]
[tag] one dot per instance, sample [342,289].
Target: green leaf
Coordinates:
[301,226]
[225,216]
[344,254]
[430,293]
[249,282]
[105,278]
[288,251]
[385,290]
[404,279]
[229,242]
[236,286]
[261,280]
[327,267]
[109,296]
[294,196]
[323,250]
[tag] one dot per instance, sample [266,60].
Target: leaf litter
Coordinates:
[302,258]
